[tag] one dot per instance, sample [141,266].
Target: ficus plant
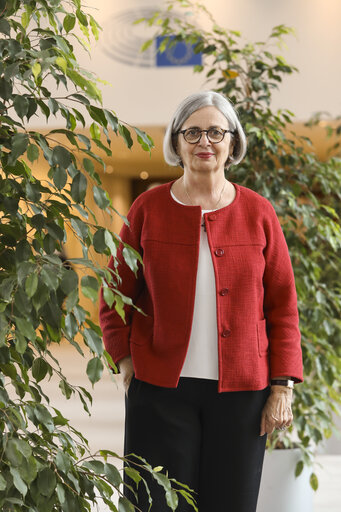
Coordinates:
[305,192]
[45,463]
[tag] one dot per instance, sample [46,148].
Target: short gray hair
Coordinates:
[195,102]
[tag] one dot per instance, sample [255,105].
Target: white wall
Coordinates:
[149,95]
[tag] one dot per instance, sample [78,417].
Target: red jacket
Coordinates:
[257,318]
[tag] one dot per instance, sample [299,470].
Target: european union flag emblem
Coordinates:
[181,54]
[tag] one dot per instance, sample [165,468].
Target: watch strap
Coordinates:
[288,383]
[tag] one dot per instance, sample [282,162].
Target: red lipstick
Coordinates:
[204,155]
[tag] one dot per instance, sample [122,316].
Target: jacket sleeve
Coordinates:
[280,303]
[115,331]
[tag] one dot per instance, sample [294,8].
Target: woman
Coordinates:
[209,367]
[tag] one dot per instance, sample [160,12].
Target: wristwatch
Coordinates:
[288,383]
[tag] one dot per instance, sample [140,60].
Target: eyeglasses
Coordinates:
[193,135]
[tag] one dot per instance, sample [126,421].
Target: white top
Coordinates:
[202,355]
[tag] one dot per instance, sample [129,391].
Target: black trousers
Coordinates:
[205,439]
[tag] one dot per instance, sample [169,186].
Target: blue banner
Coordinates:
[181,54]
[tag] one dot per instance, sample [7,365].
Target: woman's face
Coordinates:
[204,156]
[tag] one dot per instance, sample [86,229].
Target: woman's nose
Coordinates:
[204,140]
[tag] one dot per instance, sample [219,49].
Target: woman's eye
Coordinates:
[192,132]
[214,132]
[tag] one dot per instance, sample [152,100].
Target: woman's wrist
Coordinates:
[287,382]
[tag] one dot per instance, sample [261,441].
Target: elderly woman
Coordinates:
[209,368]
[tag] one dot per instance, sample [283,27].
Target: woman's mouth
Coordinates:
[204,155]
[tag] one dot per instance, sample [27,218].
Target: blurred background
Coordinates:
[145,92]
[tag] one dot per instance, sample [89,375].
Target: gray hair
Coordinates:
[195,102]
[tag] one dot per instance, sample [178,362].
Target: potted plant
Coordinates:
[306,193]
[45,463]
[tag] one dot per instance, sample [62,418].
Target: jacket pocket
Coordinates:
[263,342]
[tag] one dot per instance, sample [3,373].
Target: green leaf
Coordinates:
[130,258]
[112,474]
[55,231]
[25,19]
[93,341]
[3,483]
[71,325]
[95,132]
[19,146]
[78,187]
[32,152]
[33,192]
[101,197]
[71,300]
[119,307]
[108,296]
[314,481]
[61,62]
[20,343]
[82,18]
[61,156]
[172,499]
[18,481]
[80,227]
[25,327]
[59,177]
[97,466]
[299,468]
[99,240]
[63,461]
[94,369]
[88,166]
[124,505]
[125,133]
[21,105]
[36,70]
[47,481]
[112,120]
[53,105]
[49,244]
[91,282]
[65,388]
[13,453]
[146,45]
[69,281]
[134,474]
[85,140]
[5,27]
[110,242]
[144,139]
[31,285]
[29,469]
[94,27]
[61,494]
[69,22]
[44,417]
[5,89]
[39,369]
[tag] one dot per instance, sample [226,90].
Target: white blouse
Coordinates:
[202,355]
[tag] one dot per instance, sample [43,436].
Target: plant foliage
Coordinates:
[45,463]
[306,193]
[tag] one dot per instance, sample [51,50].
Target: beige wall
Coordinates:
[148,95]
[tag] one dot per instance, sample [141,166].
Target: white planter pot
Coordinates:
[280,490]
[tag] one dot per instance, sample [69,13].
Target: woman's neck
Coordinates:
[209,192]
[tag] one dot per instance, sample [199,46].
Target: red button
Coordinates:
[219,252]
[212,216]
[226,333]
[224,291]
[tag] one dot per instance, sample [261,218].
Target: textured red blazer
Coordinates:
[257,318]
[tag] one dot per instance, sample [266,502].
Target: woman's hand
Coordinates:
[277,410]
[127,370]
